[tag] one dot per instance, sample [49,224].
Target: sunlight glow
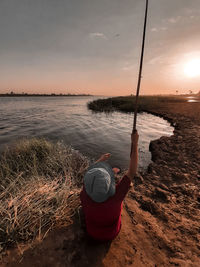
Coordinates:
[192,68]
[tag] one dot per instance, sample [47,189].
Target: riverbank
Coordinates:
[161,217]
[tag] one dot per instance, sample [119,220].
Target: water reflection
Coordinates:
[193,99]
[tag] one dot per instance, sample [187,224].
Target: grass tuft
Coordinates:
[39,189]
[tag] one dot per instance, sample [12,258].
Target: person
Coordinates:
[101,198]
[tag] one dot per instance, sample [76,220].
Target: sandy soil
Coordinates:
[161,215]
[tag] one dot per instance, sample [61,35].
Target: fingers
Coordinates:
[116,170]
[107,155]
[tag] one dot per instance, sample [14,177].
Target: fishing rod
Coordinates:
[140,70]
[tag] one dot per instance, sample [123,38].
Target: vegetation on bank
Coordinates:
[127,103]
[39,189]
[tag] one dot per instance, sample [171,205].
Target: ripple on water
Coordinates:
[68,119]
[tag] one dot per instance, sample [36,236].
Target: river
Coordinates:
[68,119]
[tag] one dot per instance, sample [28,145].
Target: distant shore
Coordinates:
[25,95]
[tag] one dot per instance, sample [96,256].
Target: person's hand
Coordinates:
[134,138]
[104,157]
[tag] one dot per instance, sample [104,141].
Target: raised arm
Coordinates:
[104,157]
[133,164]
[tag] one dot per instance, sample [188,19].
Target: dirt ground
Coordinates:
[161,214]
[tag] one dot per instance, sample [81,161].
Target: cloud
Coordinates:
[192,12]
[154,29]
[100,35]
[174,20]
[127,66]
[156,60]
[159,29]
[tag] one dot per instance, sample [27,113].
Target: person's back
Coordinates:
[103,220]
[102,200]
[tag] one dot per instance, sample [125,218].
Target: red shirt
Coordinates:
[103,220]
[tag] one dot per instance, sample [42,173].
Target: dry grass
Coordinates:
[39,189]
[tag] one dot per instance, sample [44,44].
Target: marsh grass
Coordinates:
[127,103]
[39,189]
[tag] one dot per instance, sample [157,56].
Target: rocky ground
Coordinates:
[161,214]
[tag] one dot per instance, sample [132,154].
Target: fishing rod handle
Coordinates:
[133,132]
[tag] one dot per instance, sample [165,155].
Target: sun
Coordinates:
[192,68]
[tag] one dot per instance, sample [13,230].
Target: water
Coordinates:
[193,99]
[69,120]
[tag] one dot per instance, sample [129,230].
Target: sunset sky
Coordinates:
[93,46]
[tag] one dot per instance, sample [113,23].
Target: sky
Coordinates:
[94,46]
